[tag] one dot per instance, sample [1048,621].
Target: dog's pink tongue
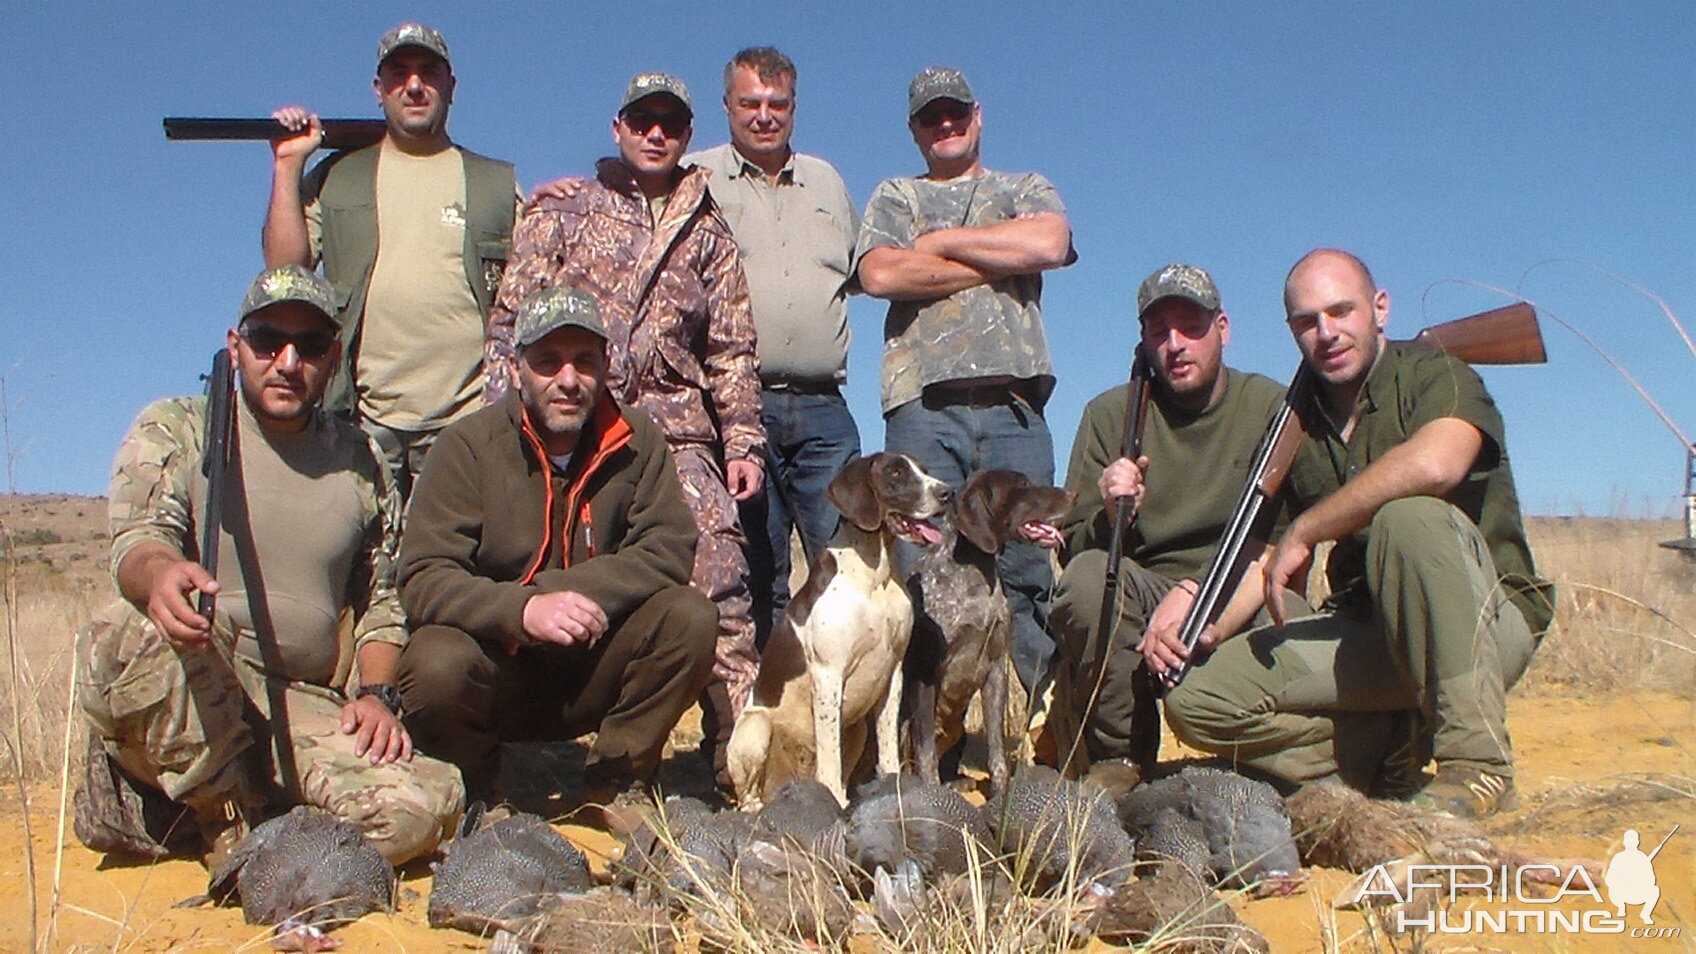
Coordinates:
[927,532]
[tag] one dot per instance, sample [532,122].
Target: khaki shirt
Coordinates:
[420,346]
[1410,387]
[323,520]
[986,331]
[796,236]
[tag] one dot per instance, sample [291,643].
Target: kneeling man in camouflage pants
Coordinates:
[305,598]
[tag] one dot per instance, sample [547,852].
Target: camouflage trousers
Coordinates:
[721,568]
[185,722]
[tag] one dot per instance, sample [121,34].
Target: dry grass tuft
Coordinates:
[1625,605]
[50,606]
[1555,808]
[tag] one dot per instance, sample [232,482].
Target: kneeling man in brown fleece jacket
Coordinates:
[545,572]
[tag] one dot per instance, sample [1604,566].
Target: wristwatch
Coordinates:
[386,694]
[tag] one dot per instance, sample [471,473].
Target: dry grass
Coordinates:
[1626,606]
[50,606]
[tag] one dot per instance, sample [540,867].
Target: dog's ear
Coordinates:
[850,492]
[980,512]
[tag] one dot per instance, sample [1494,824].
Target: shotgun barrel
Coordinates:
[338,133]
[215,464]
[1130,448]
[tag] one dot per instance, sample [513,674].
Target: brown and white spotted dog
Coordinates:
[962,624]
[834,659]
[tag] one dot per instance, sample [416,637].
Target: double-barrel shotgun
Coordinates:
[1137,394]
[215,464]
[338,133]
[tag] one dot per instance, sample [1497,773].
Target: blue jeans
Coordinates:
[951,441]
[809,437]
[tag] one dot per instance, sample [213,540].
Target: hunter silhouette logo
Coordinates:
[1630,878]
[1514,898]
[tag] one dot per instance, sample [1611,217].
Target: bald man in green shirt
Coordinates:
[1435,602]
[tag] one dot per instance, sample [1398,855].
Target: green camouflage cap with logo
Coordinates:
[1188,282]
[937,82]
[411,34]
[647,84]
[289,283]
[551,309]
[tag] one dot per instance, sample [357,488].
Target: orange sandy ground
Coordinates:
[1562,742]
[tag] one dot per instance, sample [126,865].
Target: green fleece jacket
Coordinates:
[492,523]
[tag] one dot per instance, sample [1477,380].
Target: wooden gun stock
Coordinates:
[1508,335]
[338,133]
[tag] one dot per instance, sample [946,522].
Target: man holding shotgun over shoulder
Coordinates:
[1435,603]
[1200,427]
[413,233]
[223,708]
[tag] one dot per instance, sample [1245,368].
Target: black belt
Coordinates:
[976,395]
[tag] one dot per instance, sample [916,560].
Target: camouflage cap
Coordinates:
[647,84]
[1188,282]
[289,283]
[411,34]
[551,309]
[937,82]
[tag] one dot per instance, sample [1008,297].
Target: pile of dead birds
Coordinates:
[1045,864]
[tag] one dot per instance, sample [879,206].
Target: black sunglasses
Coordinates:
[934,113]
[673,124]
[267,342]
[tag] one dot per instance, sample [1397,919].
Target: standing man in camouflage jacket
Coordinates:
[413,233]
[177,701]
[645,240]
[959,254]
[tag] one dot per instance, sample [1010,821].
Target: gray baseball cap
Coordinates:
[1188,282]
[289,283]
[937,82]
[411,34]
[551,309]
[647,84]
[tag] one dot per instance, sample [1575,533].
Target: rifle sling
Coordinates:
[265,633]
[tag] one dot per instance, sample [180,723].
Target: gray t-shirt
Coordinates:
[796,236]
[986,331]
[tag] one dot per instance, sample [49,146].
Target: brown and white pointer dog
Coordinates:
[834,658]
[962,624]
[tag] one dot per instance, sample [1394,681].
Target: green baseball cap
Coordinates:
[289,283]
[551,309]
[1188,282]
[411,34]
[937,82]
[647,84]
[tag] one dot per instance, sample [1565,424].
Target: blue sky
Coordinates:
[1440,141]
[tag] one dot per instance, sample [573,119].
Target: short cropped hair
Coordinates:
[767,62]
